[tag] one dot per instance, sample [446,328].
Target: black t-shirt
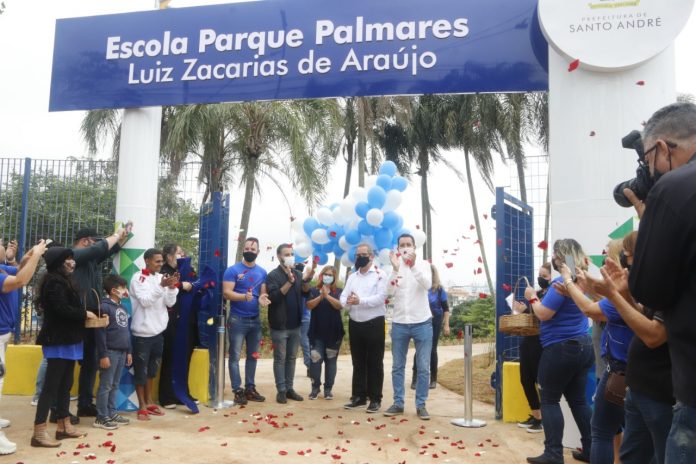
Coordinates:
[326,323]
[663,275]
[649,370]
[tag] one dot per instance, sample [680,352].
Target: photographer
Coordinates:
[667,241]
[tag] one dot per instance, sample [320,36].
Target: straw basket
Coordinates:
[101,321]
[525,324]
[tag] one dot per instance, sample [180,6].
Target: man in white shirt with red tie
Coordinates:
[412,319]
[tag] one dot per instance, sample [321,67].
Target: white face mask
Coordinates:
[289,261]
[405,251]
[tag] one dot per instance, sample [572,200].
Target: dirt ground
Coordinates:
[318,431]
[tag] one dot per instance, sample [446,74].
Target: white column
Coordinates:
[136,192]
[585,168]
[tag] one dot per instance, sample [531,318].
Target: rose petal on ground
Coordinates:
[573,65]
[282,452]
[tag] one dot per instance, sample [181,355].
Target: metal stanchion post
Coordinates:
[219,401]
[468,420]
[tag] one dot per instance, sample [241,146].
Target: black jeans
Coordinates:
[437,328]
[166,387]
[530,354]
[367,353]
[56,388]
[88,371]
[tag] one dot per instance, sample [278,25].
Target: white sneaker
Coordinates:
[4,423]
[34,402]
[6,446]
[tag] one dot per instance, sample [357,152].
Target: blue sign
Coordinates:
[286,49]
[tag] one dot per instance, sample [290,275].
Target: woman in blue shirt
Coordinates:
[439,308]
[565,360]
[325,331]
[607,417]
[61,337]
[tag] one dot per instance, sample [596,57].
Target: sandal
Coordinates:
[154,410]
[143,415]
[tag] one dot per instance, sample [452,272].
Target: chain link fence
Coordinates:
[41,198]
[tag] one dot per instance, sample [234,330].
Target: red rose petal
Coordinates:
[282,452]
[483,296]
[641,83]
[507,287]
[223,444]
[156,437]
[332,233]
[255,355]
[573,65]
[479,271]
[472,227]
[480,260]
[292,218]
[110,434]
[336,456]
[592,133]
[500,241]
[113,449]
[485,216]
[316,259]
[404,449]
[449,265]
[543,245]
[217,253]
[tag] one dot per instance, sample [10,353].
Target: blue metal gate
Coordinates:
[514,259]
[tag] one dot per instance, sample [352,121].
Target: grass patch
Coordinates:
[451,376]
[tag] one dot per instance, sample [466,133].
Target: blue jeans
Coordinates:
[563,372]
[647,426]
[607,419]
[422,335]
[327,354]
[681,442]
[241,329]
[109,380]
[304,341]
[285,344]
[40,379]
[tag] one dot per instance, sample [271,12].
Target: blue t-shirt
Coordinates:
[244,278]
[9,302]
[568,322]
[70,352]
[616,336]
[437,300]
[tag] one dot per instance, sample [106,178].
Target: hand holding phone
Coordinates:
[570,262]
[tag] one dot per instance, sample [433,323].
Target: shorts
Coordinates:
[147,357]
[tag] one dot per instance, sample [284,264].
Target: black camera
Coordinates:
[642,183]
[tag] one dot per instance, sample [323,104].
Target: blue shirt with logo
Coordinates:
[616,336]
[568,322]
[438,301]
[9,302]
[244,278]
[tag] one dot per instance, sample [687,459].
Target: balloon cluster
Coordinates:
[367,215]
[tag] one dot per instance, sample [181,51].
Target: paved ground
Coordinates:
[311,431]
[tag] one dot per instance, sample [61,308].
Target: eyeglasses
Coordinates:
[363,255]
[654,147]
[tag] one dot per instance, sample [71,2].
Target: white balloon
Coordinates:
[371,181]
[393,200]
[297,226]
[337,215]
[345,260]
[325,216]
[320,236]
[345,246]
[384,257]
[374,217]
[304,249]
[359,194]
[419,235]
[347,211]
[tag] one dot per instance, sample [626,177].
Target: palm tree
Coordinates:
[472,126]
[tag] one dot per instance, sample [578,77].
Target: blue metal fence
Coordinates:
[514,259]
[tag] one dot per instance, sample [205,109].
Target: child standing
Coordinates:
[113,351]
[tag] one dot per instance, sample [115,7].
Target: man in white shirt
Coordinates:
[412,319]
[151,293]
[364,295]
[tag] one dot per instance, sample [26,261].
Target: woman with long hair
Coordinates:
[61,337]
[565,360]
[439,308]
[325,331]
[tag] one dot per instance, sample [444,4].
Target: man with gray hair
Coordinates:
[365,295]
[663,275]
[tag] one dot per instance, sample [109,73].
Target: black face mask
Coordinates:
[249,256]
[543,283]
[623,260]
[362,261]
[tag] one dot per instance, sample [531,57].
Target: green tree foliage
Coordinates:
[480,313]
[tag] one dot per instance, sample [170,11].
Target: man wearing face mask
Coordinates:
[412,319]
[364,295]
[286,291]
[243,284]
[663,275]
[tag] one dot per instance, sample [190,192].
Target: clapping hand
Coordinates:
[264,300]
[353,299]
[394,260]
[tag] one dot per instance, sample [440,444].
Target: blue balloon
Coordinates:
[388,168]
[383,238]
[335,232]
[323,258]
[309,225]
[325,248]
[365,229]
[362,208]
[399,183]
[299,258]
[390,220]
[385,182]
[399,224]
[351,253]
[376,197]
[334,206]
[353,236]
[337,251]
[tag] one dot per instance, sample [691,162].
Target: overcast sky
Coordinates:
[28,129]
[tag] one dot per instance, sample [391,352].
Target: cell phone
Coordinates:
[570,262]
[48,241]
